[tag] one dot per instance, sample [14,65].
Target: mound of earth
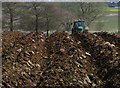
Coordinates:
[68,64]
[105,57]
[21,65]
[82,60]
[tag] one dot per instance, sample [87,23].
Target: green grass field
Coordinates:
[108,22]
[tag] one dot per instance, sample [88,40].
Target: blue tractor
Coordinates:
[79,26]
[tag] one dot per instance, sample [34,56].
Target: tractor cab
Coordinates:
[79,26]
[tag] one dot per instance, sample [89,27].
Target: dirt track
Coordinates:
[83,60]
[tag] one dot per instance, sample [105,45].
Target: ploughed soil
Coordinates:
[84,60]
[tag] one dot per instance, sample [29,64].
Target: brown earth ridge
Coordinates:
[81,60]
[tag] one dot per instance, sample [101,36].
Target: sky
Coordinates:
[64,0]
[112,0]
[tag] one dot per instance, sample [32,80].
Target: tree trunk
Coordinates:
[36,17]
[11,20]
[36,26]
[119,30]
[47,32]
[47,25]
[68,25]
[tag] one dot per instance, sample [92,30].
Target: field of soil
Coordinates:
[80,60]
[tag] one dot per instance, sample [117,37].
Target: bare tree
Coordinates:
[29,18]
[36,11]
[51,16]
[67,15]
[89,11]
[67,19]
[11,14]
[40,15]
[9,9]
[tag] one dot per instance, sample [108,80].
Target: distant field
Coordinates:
[114,9]
[108,22]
